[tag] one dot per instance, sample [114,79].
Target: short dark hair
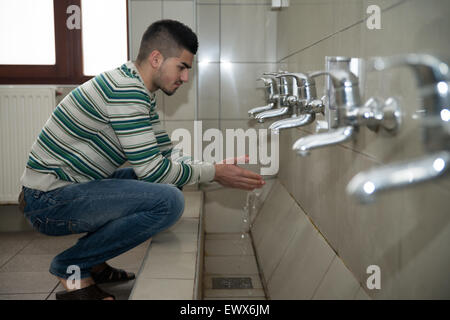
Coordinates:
[168,37]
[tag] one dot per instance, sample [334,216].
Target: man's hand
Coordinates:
[229,174]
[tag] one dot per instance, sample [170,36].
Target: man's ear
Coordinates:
[155,59]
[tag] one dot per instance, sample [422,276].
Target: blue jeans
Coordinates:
[116,214]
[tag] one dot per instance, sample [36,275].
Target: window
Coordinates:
[41,44]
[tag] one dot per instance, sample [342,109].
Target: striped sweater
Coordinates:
[101,124]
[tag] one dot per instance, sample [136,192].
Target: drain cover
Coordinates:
[232,283]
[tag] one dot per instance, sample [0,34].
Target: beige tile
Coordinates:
[347,12]
[193,203]
[277,202]
[253,24]
[208,1]
[235,265]
[28,263]
[277,238]
[228,247]
[361,295]
[12,220]
[13,242]
[174,242]
[208,33]
[338,283]
[208,90]
[422,247]
[226,236]
[50,245]
[367,234]
[143,13]
[26,282]
[224,211]
[185,225]
[247,2]
[302,26]
[182,11]
[164,265]
[163,289]
[131,261]
[302,267]
[239,89]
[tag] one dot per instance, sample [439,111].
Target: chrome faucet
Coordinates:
[433,78]
[305,104]
[351,113]
[271,92]
[282,98]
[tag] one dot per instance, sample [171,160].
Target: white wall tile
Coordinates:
[338,283]
[244,25]
[143,14]
[182,11]
[208,17]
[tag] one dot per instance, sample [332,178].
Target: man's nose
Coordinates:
[185,76]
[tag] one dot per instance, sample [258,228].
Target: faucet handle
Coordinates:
[267,81]
[301,78]
[340,78]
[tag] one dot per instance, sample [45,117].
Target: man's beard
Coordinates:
[169,93]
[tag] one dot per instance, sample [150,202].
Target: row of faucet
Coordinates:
[299,100]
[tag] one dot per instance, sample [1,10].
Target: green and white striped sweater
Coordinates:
[101,124]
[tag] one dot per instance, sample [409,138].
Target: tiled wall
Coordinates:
[179,110]
[237,43]
[405,232]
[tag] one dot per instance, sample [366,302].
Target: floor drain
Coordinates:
[232,283]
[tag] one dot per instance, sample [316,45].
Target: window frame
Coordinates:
[68,67]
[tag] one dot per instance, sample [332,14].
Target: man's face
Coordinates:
[174,71]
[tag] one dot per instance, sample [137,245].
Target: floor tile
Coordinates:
[130,261]
[174,242]
[226,236]
[50,245]
[164,289]
[169,266]
[26,282]
[185,225]
[230,265]
[28,263]
[13,242]
[228,247]
[193,204]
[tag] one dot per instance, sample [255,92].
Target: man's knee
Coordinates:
[175,203]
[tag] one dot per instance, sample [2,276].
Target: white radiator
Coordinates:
[23,113]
